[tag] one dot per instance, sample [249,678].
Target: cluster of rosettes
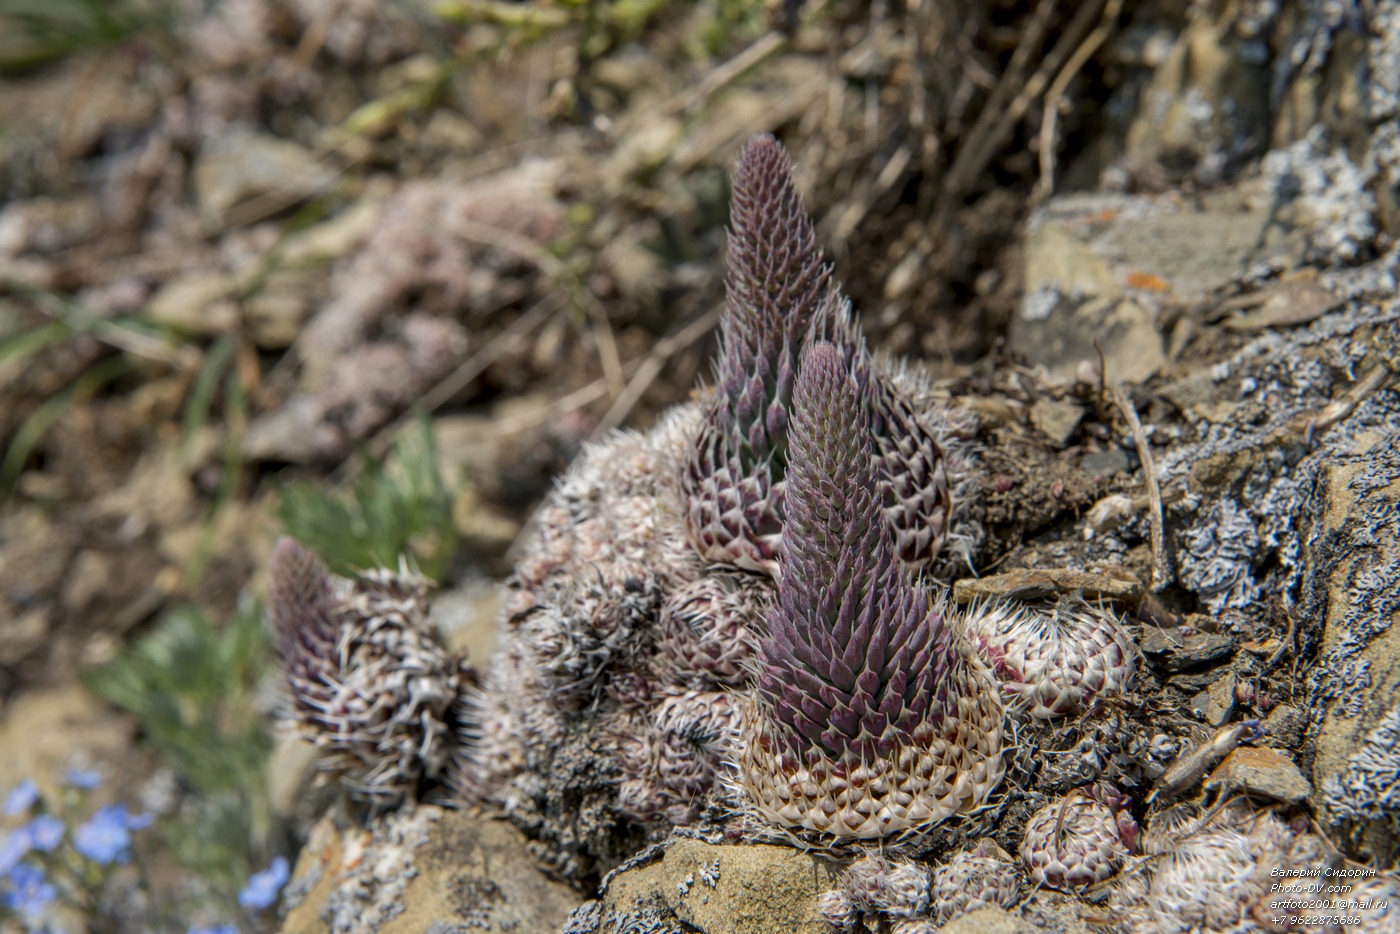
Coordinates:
[371,684]
[875,887]
[1053,661]
[1215,870]
[1080,839]
[765,532]
[982,877]
[875,890]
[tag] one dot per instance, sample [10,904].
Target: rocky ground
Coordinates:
[1151,249]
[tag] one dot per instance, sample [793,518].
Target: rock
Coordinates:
[1207,105]
[48,225]
[43,731]
[244,176]
[486,531]
[466,617]
[1105,463]
[416,870]
[1168,648]
[275,313]
[1357,692]
[23,634]
[1261,771]
[1286,304]
[1056,419]
[989,921]
[1098,268]
[1285,725]
[199,303]
[721,890]
[331,239]
[1216,704]
[1118,586]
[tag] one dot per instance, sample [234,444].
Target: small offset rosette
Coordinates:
[1053,661]
[1079,840]
[371,684]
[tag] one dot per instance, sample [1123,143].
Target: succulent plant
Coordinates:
[1218,870]
[1053,661]
[371,684]
[872,887]
[916,926]
[1080,839]
[776,287]
[780,297]
[709,629]
[837,911]
[873,719]
[971,880]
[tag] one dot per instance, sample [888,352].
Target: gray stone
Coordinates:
[1105,463]
[276,312]
[1358,689]
[1056,419]
[415,869]
[1285,725]
[1216,704]
[1176,652]
[196,303]
[246,176]
[1206,106]
[1261,771]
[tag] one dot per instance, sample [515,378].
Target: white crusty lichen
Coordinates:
[1368,788]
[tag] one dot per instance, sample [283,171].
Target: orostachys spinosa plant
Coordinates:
[787,508]
[370,683]
[873,718]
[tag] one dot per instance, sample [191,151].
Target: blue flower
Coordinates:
[16,847]
[86,779]
[21,798]
[263,887]
[29,890]
[215,929]
[106,837]
[45,832]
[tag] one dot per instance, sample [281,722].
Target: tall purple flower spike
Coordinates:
[780,297]
[873,720]
[777,283]
[371,686]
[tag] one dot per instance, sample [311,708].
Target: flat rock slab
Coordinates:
[1357,553]
[1120,588]
[721,890]
[1099,267]
[1176,652]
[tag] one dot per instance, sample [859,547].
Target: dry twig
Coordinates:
[1154,490]
[1050,109]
